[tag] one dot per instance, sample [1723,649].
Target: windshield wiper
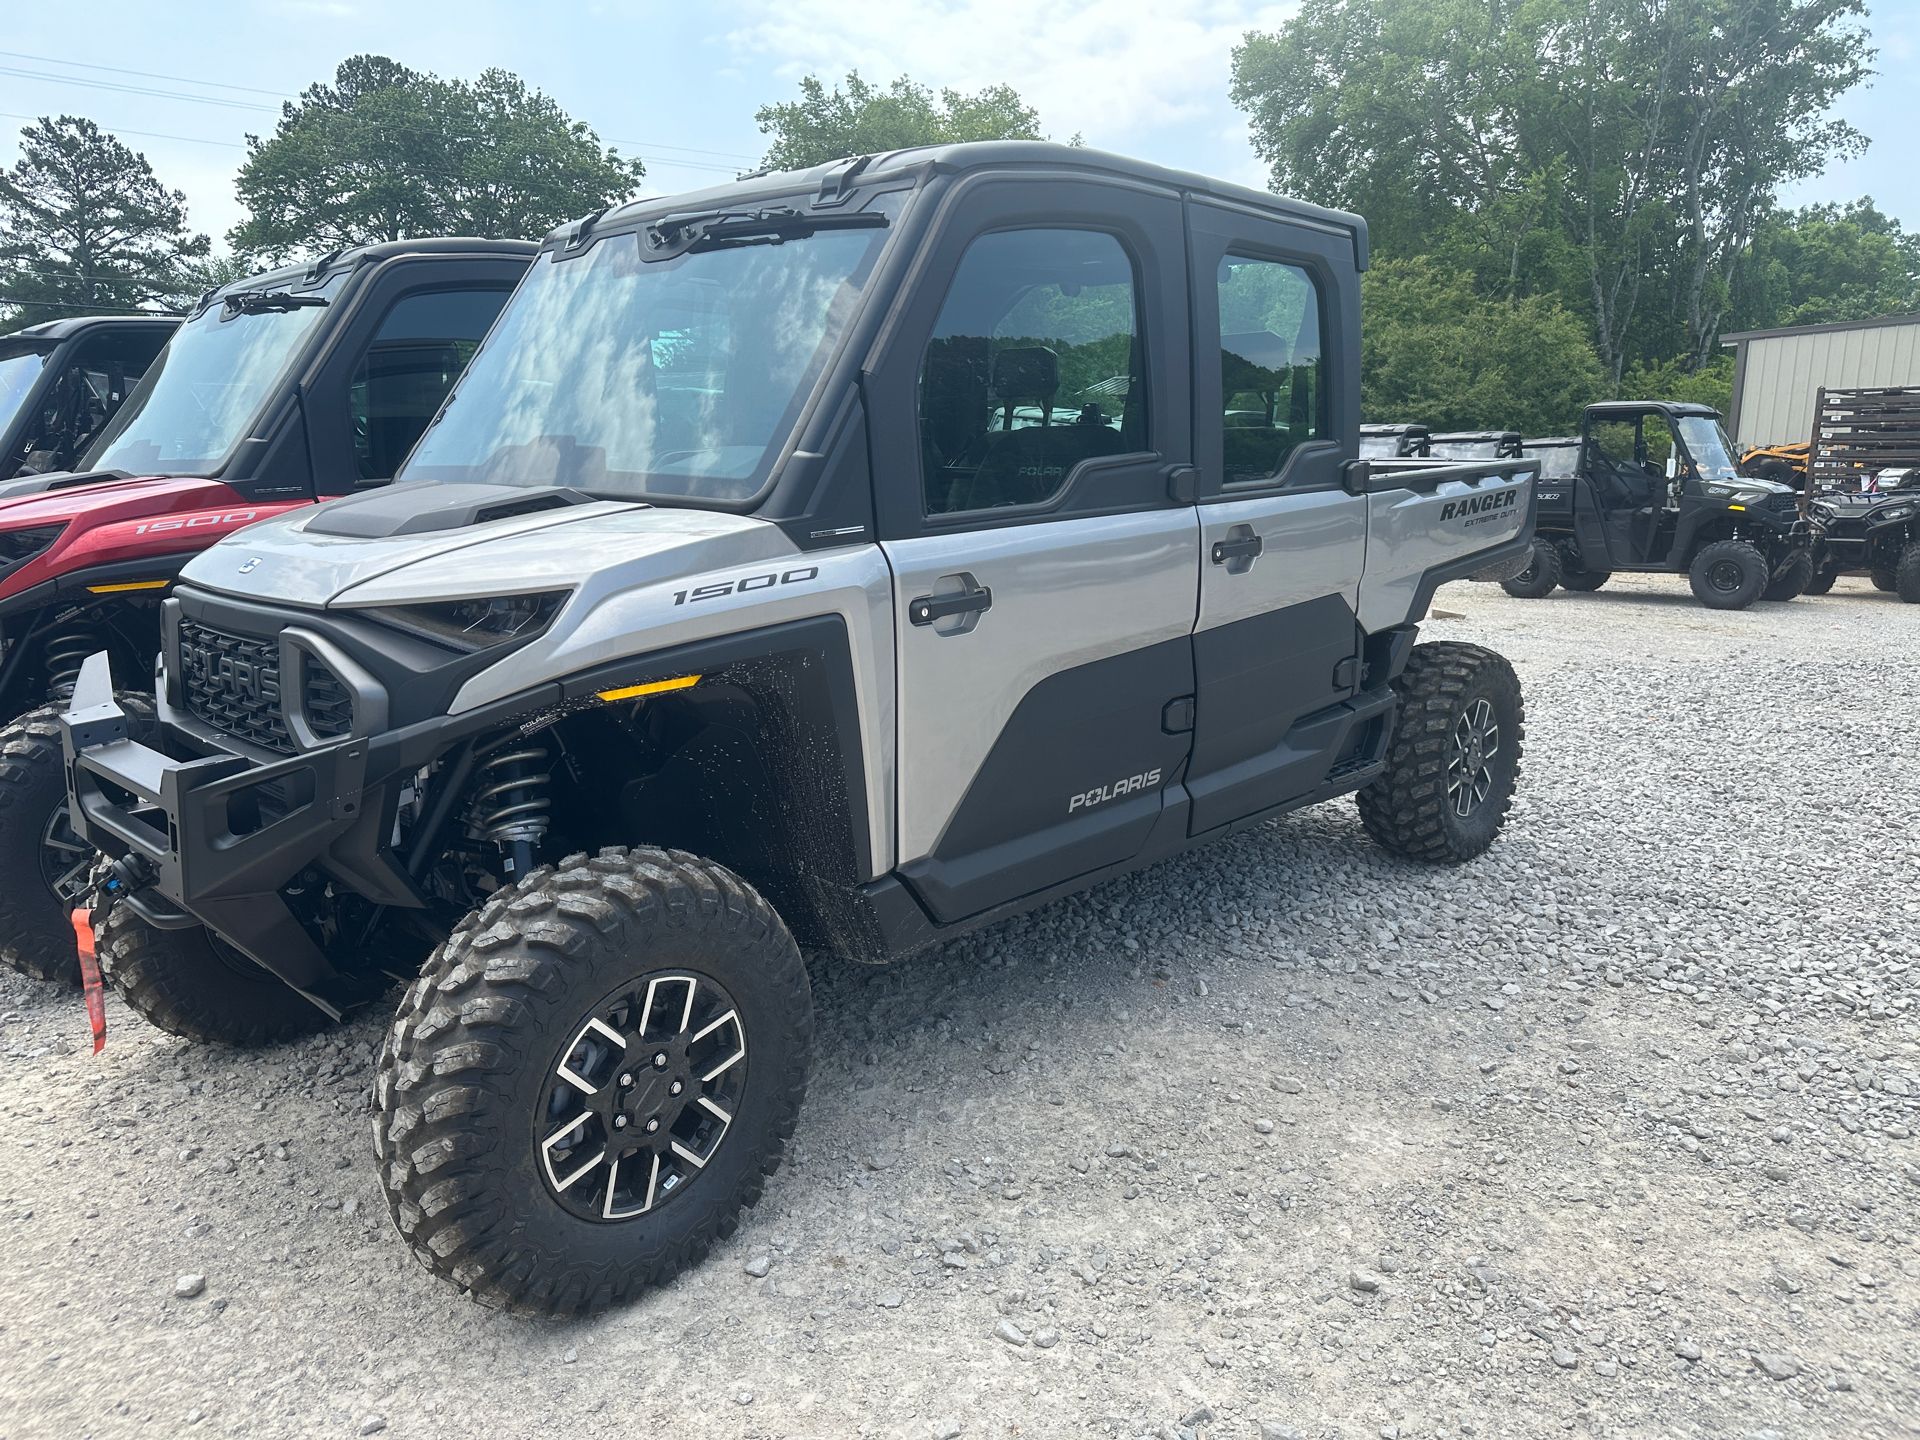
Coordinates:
[685,234]
[265,302]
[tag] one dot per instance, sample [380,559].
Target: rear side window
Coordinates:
[1273,381]
[1033,367]
[422,345]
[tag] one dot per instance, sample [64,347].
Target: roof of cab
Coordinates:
[1009,155]
[53,331]
[1640,407]
[312,271]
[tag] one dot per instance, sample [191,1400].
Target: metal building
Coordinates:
[1777,372]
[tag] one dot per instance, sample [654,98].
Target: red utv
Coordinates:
[277,391]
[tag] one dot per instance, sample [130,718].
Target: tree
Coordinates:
[1437,352]
[1619,153]
[863,119]
[1827,263]
[386,153]
[86,226]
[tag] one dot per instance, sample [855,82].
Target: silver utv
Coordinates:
[847,557]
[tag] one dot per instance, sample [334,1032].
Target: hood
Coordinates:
[446,542]
[49,499]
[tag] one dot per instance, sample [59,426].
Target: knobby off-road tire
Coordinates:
[197,987]
[1584,581]
[1792,581]
[1540,576]
[1885,578]
[1906,575]
[1728,575]
[488,1152]
[41,858]
[1455,755]
[1821,583]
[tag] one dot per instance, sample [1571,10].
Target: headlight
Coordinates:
[17,547]
[1898,512]
[480,624]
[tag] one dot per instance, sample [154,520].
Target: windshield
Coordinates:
[1556,461]
[201,397]
[659,379]
[1379,447]
[1707,444]
[18,371]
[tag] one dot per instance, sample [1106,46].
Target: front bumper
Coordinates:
[220,834]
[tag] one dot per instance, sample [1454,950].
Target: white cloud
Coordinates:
[1114,71]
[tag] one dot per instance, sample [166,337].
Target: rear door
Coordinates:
[1276,381]
[1030,419]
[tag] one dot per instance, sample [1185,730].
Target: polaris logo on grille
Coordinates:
[1133,783]
[1479,504]
[228,677]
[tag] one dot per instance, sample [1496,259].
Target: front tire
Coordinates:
[1728,575]
[1885,577]
[1792,581]
[1906,575]
[190,984]
[43,861]
[1455,755]
[532,1142]
[1821,583]
[1540,576]
[1584,582]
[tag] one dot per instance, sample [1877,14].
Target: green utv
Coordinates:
[847,557]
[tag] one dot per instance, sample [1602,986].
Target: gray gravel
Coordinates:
[1609,1133]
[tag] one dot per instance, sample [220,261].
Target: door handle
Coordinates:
[931,608]
[1239,550]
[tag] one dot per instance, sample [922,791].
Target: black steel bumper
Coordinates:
[221,834]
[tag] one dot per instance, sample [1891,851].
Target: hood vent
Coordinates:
[430,507]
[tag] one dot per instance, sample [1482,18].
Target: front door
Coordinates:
[1044,573]
[1623,495]
[1281,543]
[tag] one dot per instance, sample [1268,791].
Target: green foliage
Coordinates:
[1620,154]
[1711,384]
[1828,263]
[86,226]
[862,119]
[387,153]
[1438,352]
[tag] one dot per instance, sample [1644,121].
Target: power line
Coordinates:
[144,74]
[149,90]
[143,134]
[24,303]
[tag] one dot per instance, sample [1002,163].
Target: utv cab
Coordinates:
[276,391]
[1558,456]
[1395,442]
[1654,489]
[61,382]
[1477,445]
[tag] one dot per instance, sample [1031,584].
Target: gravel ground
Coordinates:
[1609,1133]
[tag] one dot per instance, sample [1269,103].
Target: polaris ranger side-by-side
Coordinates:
[1654,489]
[1395,442]
[61,381]
[845,557]
[278,390]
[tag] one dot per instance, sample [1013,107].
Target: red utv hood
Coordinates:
[113,525]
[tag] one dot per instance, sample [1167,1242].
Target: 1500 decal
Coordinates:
[195,522]
[722,588]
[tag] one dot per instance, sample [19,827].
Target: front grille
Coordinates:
[327,703]
[232,683]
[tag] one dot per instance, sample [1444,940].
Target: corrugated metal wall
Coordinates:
[1783,371]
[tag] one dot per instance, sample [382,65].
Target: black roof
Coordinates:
[1640,407]
[52,332]
[312,271]
[926,160]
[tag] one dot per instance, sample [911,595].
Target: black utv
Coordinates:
[61,381]
[1395,442]
[1654,488]
[1872,530]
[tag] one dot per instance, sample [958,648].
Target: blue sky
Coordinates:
[678,83]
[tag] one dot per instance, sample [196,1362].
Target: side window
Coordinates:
[1034,366]
[1273,369]
[422,346]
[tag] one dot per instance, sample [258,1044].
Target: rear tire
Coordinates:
[1455,755]
[1906,576]
[43,863]
[1821,583]
[1584,582]
[1728,575]
[1887,577]
[190,984]
[1792,581]
[496,1164]
[1540,576]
